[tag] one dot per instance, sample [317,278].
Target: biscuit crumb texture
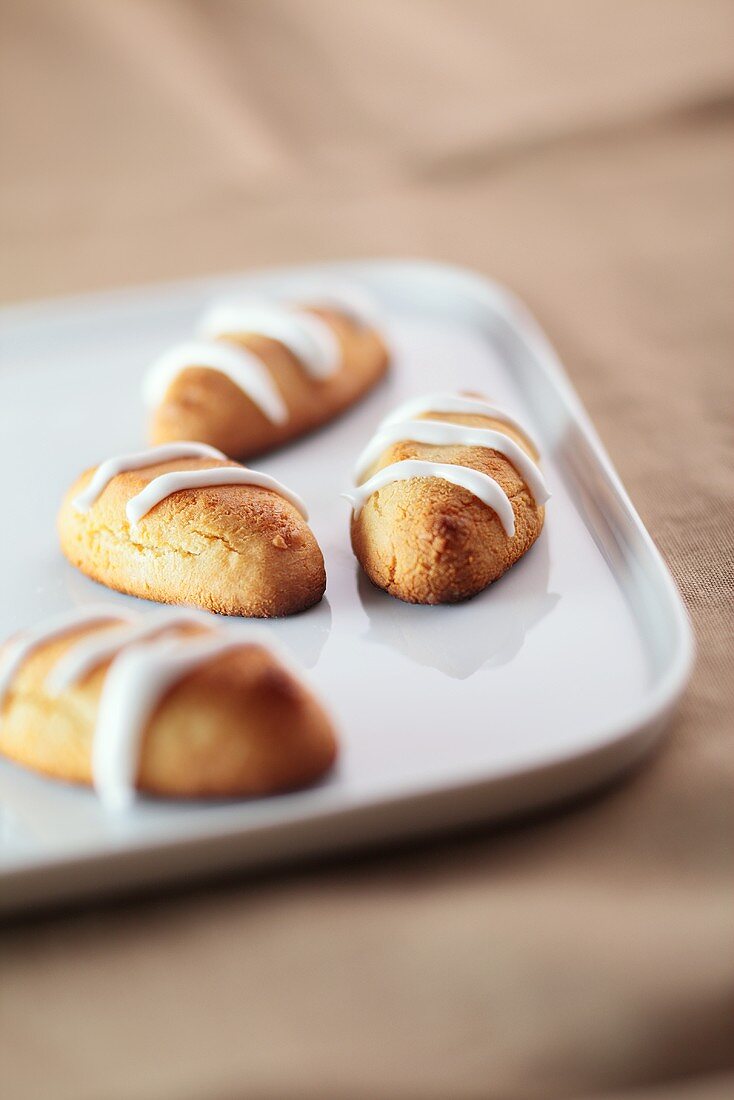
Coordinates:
[428,541]
[239,725]
[232,549]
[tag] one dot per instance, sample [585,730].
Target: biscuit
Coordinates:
[234,541]
[264,374]
[160,703]
[448,498]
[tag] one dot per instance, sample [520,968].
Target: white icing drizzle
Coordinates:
[18,649]
[161,487]
[149,656]
[307,337]
[135,683]
[442,433]
[446,402]
[246,370]
[401,425]
[139,460]
[92,651]
[480,485]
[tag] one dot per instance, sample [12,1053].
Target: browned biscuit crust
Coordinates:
[206,406]
[427,541]
[239,725]
[233,549]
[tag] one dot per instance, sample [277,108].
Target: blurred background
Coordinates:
[149,140]
[582,152]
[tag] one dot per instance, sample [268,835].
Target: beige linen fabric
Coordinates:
[581,151]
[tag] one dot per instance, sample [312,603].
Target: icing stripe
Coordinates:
[144,667]
[90,652]
[445,402]
[135,683]
[307,337]
[176,481]
[246,370]
[139,460]
[442,434]
[19,648]
[480,485]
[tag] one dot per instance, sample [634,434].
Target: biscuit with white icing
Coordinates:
[161,704]
[448,497]
[173,525]
[263,374]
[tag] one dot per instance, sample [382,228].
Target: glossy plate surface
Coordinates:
[553,680]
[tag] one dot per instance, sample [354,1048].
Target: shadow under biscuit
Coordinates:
[446,637]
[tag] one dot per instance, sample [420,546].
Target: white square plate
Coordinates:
[554,679]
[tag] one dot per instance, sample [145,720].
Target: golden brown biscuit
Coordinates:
[233,549]
[205,404]
[236,722]
[427,540]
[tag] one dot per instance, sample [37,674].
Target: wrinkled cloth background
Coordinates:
[582,152]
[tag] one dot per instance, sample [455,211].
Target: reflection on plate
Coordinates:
[302,636]
[510,607]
